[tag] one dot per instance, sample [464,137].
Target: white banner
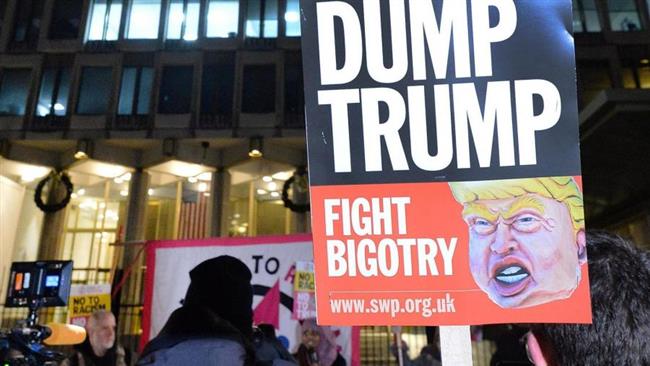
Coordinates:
[271,260]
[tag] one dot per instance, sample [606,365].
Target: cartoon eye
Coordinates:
[526,223]
[482,226]
[481,222]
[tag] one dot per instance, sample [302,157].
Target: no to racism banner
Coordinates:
[444,162]
[85,300]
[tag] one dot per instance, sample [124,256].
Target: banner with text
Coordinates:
[271,260]
[444,162]
[87,299]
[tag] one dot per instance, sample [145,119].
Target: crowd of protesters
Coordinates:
[214,325]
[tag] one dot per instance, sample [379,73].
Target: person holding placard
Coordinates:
[619,277]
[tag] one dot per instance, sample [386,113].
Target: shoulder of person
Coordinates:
[197,351]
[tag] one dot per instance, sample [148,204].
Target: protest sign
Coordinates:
[304,299]
[87,299]
[272,262]
[444,162]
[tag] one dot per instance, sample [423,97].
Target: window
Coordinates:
[585,16]
[223,18]
[294,99]
[217,89]
[104,21]
[27,21]
[176,90]
[53,95]
[254,201]
[93,223]
[623,15]
[183,19]
[292,18]
[259,89]
[66,17]
[3,6]
[135,91]
[94,90]
[144,18]
[636,74]
[14,88]
[593,77]
[262,19]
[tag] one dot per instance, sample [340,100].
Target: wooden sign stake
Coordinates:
[455,345]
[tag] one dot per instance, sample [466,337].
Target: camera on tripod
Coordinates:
[35,285]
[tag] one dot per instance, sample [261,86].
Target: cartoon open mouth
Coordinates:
[511,279]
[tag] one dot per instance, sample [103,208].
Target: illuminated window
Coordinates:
[292,18]
[144,19]
[93,223]
[624,15]
[135,91]
[262,19]
[183,19]
[644,77]
[94,90]
[585,16]
[104,20]
[255,205]
[14,88]
[53,94]
[223,18]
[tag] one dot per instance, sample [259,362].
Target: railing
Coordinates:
[49,123]
[100,46]
[132,122]
[215,121]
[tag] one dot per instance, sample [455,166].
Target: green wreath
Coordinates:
[53,207]
[288,203]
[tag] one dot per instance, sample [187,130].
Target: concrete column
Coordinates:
[300,196]
[131,291]
[220,193]
[135,218]
[53,224]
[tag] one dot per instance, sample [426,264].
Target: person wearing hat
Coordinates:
[215,324]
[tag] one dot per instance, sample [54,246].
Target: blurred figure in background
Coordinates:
[318,346]
[99,348]
[429,355]
[268,349]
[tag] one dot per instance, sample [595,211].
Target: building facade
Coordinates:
[152,107]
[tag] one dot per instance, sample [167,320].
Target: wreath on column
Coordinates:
[53,178]
[301,181]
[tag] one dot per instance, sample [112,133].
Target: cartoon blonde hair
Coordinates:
[562,189]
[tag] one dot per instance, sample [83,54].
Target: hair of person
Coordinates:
[561,189]
[620,299]
[98,316]
[223,285]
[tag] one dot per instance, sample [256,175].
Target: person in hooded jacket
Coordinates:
[215,323]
